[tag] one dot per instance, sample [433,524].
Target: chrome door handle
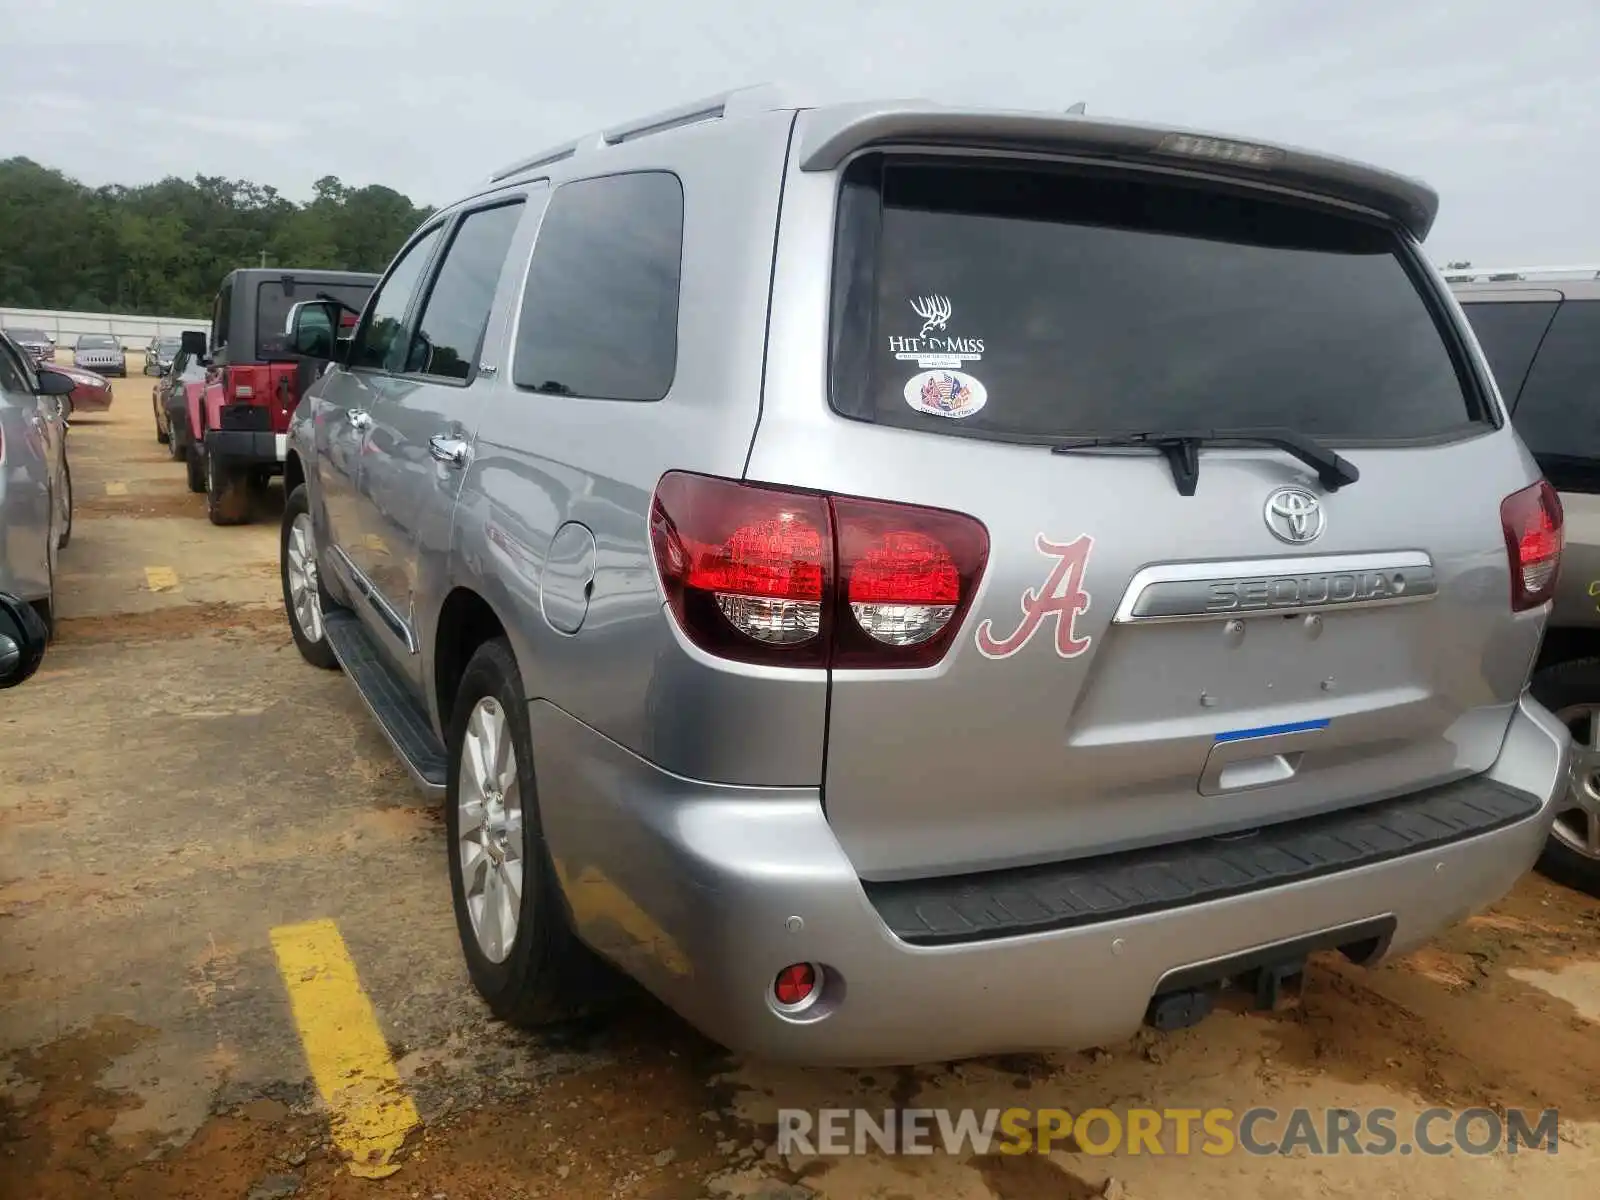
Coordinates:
[360,421]
[452,451]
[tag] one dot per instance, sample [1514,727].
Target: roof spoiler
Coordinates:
[832,134]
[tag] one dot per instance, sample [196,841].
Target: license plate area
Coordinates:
[1181,680]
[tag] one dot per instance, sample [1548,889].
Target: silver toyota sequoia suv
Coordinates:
[905,582]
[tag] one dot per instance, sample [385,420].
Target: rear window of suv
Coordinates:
[1017,303]
[273,301]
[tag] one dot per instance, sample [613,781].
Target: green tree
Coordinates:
[163,248]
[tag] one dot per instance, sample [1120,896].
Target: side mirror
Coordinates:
[22,640]
[311,329]
[194,343]
[54,383]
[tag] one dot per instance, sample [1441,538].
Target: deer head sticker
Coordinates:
[934,311]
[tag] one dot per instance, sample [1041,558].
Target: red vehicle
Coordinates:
[238,422]
[90,392]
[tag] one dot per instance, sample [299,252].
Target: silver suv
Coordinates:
[905,582]
[1540,329]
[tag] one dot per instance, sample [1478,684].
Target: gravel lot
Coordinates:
[177,785]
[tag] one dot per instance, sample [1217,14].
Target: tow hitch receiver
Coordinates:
[1258,980]
[1261,988]
[1272,981]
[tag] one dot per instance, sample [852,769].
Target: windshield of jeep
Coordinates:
[1013,303]
[95,341]
[273,304]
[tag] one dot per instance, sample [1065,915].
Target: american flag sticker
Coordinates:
[952,394]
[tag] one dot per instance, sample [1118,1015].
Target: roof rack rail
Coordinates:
[738,102]
[1506,274]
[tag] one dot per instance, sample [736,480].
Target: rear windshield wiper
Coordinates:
[1182,450]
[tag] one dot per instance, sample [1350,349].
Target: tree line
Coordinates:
[161,249]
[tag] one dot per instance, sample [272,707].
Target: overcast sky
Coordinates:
[1495,103]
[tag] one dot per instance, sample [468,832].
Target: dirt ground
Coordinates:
[176,784]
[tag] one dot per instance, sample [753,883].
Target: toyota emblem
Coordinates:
[1295,516]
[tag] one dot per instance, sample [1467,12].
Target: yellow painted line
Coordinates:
[372,1114]
[160,579]
[116,488]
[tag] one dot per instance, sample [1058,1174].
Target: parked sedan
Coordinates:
[36,343]
[102,353]
[90,392]
[35,480]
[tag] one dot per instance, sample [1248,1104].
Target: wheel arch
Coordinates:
[466,621]
[294,471]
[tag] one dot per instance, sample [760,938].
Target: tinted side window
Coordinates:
[600,312]
[1509,334]
[1559,415]
[219,318]
[378,345]
[457,310]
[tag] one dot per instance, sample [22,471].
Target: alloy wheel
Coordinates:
[304,590]
[489,829]
[1578,822]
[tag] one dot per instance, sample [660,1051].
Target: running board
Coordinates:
[388,698]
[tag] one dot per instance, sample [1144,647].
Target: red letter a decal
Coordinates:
[1061,598]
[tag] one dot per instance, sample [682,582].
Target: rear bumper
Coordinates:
[704,892]
[246,448]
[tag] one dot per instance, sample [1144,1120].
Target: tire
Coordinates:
[66,484]
[196,468]
[46,608]
[175,443]
[47,613]
[546,974]
[227,493]
[297,557]
[1571,690]
[162,435]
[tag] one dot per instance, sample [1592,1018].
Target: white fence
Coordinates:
[133,332]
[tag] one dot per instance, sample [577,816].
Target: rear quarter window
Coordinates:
[599,312]
[274,299]
[1012,302]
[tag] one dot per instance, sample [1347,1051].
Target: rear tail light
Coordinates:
[1532,521]
[771,575]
